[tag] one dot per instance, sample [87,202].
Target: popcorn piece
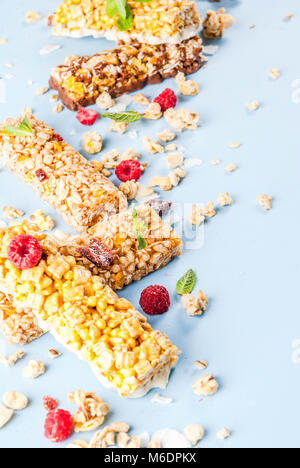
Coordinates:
[15,401]
[195,306]
[274,74]
[215,23]
[223,433]
[92,142]
[166,136]
[11,213]
[206,385]
[231,167]
[209,210]
[253,106]
[5,415]
[42,91]
[176,176]
[91,412]
[34,370]
[163,182]
[141,99]
[194,433]
[265,201]
[32,17]
[119,127]
[201,365]
[196,218]
[182,119]
[11,360]
[130,189]
[152,146]
[174,160]
[153,111]
[45,223]
[224,199]
[105,101]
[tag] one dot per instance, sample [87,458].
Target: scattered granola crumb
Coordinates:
[152,146]
[231,167]
[196,218]
[9,212]
[3,40]
[253,106]
[265,201]
[54,98]
[197,306]
[5,415]
[223,433]
[163,182]
[174,160]
[58,108]
[129,154]
[91,411]
[34,370]
[15,400]
[109,160]
[123,439]
[91,142]
[53,353]
[288,16]
[201,365]
[154,444]
[157,398]
[194,433]
[235,145]
[130,189]
[171,147]
[224,199]
[215,23]
[105,101]
[206,385]
[119,127]
[141,99]
[106,436]
[42,90]
[45,223]
[176,176]
[215,162]
[146,192]
[252,26]
[274,74]
[12,359]
[186,87]
[153,111]
[182,119]
[78,444]
[32,16]
[209,210]
[166,135]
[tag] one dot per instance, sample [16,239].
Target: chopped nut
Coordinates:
[119,127]
[176,176]
[11,213]
[274,74]
[182,119]
[53,354]
[91,142]
[42,91]
[166,136]
[206,385]
[141,99]
[195,306]
[45,223]
[153,111]
[196,218]
[58,108]
[201,365]
[11,360]
[34,370]
[5,415]
[91,412]
[231,167]
[130,189]
[194,433]
[174,160]
[223,433]
[78,444]
[152,146]
[224,199]
[253,106]
[265,201]
[209,210]
[163,182]
[105,101]
[32,16]
[15,401]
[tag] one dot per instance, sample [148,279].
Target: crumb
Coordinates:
[174,160]
[224,199]
[176,176]
[223,433]
[181,119]
[252,26]
[141,99]
[105,101]
[130,189]
[34,370]
[42,91]
[54,98]
[129,154]
[166,136]
[45,223]
[215,23]
[78,444]
[231,167]
[206,385]
[215,162]
[153,111]
[194,433]
[274,74]
[109,160]
[91,142]
[15,400]
[235,145]
[58,108]
[30,82]
[91,411]
[152,146]
[5,415]
[288,16]
[119,127]
[53,353]
[163,182]
[196,218]
[253,106]
[9,212]
[209,210]
[201,365]
[197,306]
[3,40]
[32,16]
[186,87]
[12,359]
[265,201]
[171,147]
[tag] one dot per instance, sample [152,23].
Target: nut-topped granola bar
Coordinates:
[61,176]
[128,68]
[87,317]
[155,22]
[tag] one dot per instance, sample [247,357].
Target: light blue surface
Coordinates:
[249,264]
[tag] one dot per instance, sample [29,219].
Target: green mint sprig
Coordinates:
[187,283]
[23,130]
[138,225]
[122,10]
[127,116]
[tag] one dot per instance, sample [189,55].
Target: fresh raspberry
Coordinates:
[155,300]
[49,403]
[166,99]
[24,252]
[58,425]
[86,117]
[98,254]
[129,170]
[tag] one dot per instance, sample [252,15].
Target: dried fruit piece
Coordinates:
[98,254]
[161,207]
[15,400]
[58,425]
[41,175]
[86,116]
[5,415]
[155,300]
[24,252]
[49,403]
[129,170]
[167,99]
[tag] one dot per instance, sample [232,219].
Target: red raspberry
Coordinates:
[166,99]
[58,425]
[86,117]
[129,170]
[49,403]
[24,252]
[155,300]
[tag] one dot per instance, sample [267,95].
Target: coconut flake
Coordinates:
[210,49]
[47,49]
[192,162]
[169,438]
[161,400]
[121,103]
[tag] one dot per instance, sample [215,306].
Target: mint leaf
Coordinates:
[138,225]
[23,130]
[142,244]
[127,116]
[187,283]
[116,7]
[125,23]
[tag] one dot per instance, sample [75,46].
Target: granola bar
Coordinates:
[81,80]
[119,236]
[88,317]
[155,22]
[61,176]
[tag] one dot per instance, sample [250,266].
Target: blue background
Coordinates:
[249,263]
